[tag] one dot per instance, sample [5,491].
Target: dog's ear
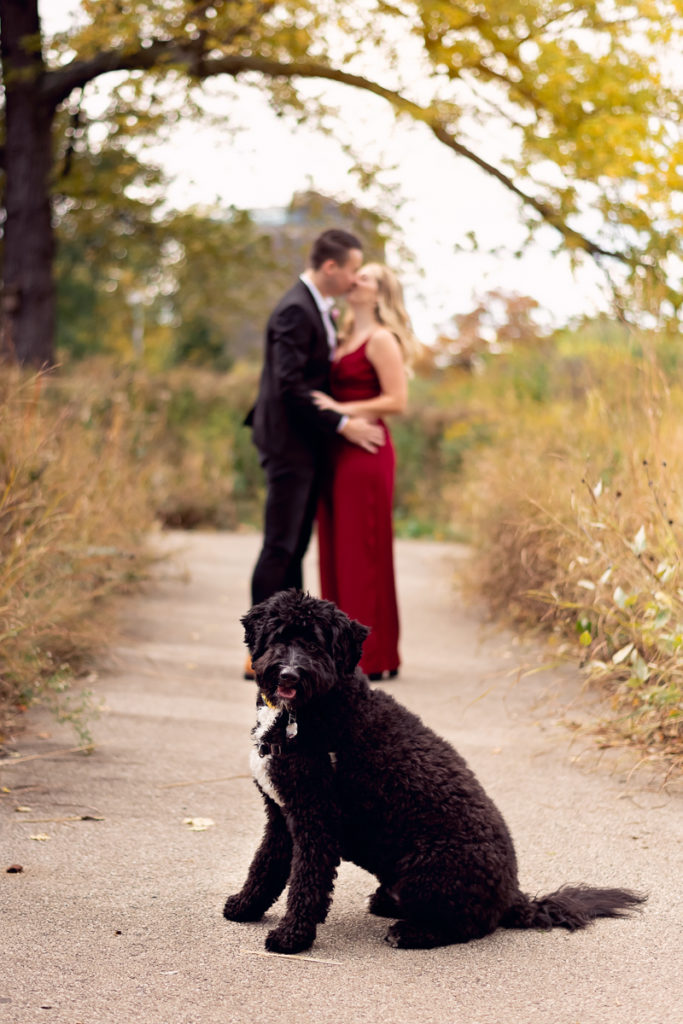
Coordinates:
[349,636]
[253,623]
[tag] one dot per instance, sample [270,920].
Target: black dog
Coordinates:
[347,772]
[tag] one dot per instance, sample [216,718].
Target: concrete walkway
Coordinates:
[118,919]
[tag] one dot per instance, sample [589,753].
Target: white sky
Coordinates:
[444,196]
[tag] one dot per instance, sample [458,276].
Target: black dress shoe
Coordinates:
[377,677]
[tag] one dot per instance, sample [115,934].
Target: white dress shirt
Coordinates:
[325,305]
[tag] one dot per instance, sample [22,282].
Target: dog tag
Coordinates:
[292,729]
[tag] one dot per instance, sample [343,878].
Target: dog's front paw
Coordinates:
[286,940]
[237,908]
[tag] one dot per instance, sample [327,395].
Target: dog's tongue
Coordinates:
[286,692]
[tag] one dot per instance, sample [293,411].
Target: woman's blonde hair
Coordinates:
[390,311]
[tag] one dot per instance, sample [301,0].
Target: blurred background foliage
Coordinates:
[136,279]
[555,456]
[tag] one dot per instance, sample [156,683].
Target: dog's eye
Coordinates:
[312,646]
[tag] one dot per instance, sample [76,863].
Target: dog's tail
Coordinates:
[571,907]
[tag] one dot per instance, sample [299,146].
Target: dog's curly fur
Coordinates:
[346,772]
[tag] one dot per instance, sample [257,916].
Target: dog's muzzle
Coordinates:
[288,680]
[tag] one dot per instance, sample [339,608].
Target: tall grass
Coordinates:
[73,515]
[577,521]
[183,431]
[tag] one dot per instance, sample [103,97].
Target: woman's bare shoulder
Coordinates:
[383,335]
[382,340]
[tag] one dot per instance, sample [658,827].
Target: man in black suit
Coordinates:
[290,432]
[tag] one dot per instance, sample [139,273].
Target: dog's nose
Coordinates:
[288,674]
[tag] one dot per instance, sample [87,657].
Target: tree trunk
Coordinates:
[28,296]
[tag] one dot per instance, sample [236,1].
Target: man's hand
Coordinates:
[366,435]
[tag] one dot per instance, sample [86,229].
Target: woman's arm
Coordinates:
[384,352]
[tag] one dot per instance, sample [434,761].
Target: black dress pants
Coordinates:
[291,503]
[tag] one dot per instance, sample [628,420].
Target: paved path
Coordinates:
[119,920]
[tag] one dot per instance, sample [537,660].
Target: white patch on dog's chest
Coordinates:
[259,769]
[260,766]
[265,719]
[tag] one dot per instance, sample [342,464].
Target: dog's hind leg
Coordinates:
[422,927]
[435,913]
[268,873]
[382,904]
[418,935]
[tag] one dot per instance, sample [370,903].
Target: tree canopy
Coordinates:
[571,106]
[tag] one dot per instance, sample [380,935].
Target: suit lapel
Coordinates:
[309,304]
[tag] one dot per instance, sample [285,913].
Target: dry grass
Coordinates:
[73,516]
[578,524]
[184,431]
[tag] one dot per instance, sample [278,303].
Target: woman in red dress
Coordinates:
[355,533]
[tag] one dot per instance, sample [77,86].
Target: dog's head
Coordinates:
[301,646]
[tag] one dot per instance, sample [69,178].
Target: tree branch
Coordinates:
[57,85]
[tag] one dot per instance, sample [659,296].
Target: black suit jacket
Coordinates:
[287,425]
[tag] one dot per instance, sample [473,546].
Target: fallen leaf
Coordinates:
[40,837]
[14,869]
[198,824]
[23,810]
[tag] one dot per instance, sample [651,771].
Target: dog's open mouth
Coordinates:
[286,692]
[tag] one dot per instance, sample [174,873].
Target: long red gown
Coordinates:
[355,533]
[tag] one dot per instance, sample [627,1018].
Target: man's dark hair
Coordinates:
[333,244]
